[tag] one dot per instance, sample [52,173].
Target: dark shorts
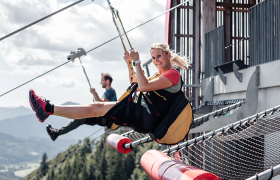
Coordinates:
[124,113]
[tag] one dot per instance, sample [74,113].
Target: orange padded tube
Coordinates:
[158,166]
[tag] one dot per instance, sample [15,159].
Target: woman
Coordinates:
[161,92]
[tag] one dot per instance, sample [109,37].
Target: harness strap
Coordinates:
[154,111]
[159,95]
[138,108]
[129,99]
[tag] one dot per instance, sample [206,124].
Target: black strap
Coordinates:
[154,112]
[130,100]
[138,107]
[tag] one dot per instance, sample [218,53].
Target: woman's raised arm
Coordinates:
[143,84]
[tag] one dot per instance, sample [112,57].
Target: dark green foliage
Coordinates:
[87,148]
[44,165]
[102,163]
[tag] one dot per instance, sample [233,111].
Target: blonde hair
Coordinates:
[176,60]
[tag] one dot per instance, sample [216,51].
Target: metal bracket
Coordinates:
[73,55]
[209,91]
[237,74]
[222,77]
[81,52]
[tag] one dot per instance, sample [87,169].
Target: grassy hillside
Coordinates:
[96,161]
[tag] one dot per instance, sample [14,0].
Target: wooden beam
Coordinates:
[184,35]
[186,7]
[226,4]
[209,11]
[227,31]
[240,38]
[234,10]
[221,9]
[240,10]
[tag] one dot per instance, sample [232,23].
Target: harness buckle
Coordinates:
[72,56]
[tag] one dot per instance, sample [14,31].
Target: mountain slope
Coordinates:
[96,161]
[15,150]
[13,112]
[30,126]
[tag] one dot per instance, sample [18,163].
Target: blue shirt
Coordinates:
[110,94]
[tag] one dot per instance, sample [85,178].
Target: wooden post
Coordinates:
[228,32]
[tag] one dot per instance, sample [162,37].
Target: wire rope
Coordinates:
[66,156]
[35,22]
[94,48]
[33,79]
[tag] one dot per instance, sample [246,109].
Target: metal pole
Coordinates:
[136,143]
[197,50]
[266,174]
[86,76]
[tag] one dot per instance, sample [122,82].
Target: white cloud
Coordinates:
[56,81]
[46,45]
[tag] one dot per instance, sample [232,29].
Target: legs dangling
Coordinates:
[43,108]
[84,111]
[75,123]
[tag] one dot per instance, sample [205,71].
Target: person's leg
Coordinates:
[54,133]
[77,122]
[84,111]
[43,108]
[71,125]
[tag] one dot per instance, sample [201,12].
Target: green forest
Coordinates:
[94,160]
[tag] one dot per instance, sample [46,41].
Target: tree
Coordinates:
[129,163]
[114,166]
[44,165]
[87,149]
[85,175]
[51,175]
[92,172]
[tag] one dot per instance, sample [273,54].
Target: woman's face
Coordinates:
[160,59]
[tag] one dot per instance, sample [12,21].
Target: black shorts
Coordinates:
[124,113]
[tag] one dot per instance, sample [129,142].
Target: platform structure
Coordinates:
[236,151]
[207,109]
[232,143]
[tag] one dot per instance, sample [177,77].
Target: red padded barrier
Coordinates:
[118,141]
[158,166]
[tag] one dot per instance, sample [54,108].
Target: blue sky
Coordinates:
[47,44]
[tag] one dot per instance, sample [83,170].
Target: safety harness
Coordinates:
[170,129]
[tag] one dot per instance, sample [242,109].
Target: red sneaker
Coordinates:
[38,105]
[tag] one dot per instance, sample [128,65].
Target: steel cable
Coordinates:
[35,22]
[96,46]
[67,155]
